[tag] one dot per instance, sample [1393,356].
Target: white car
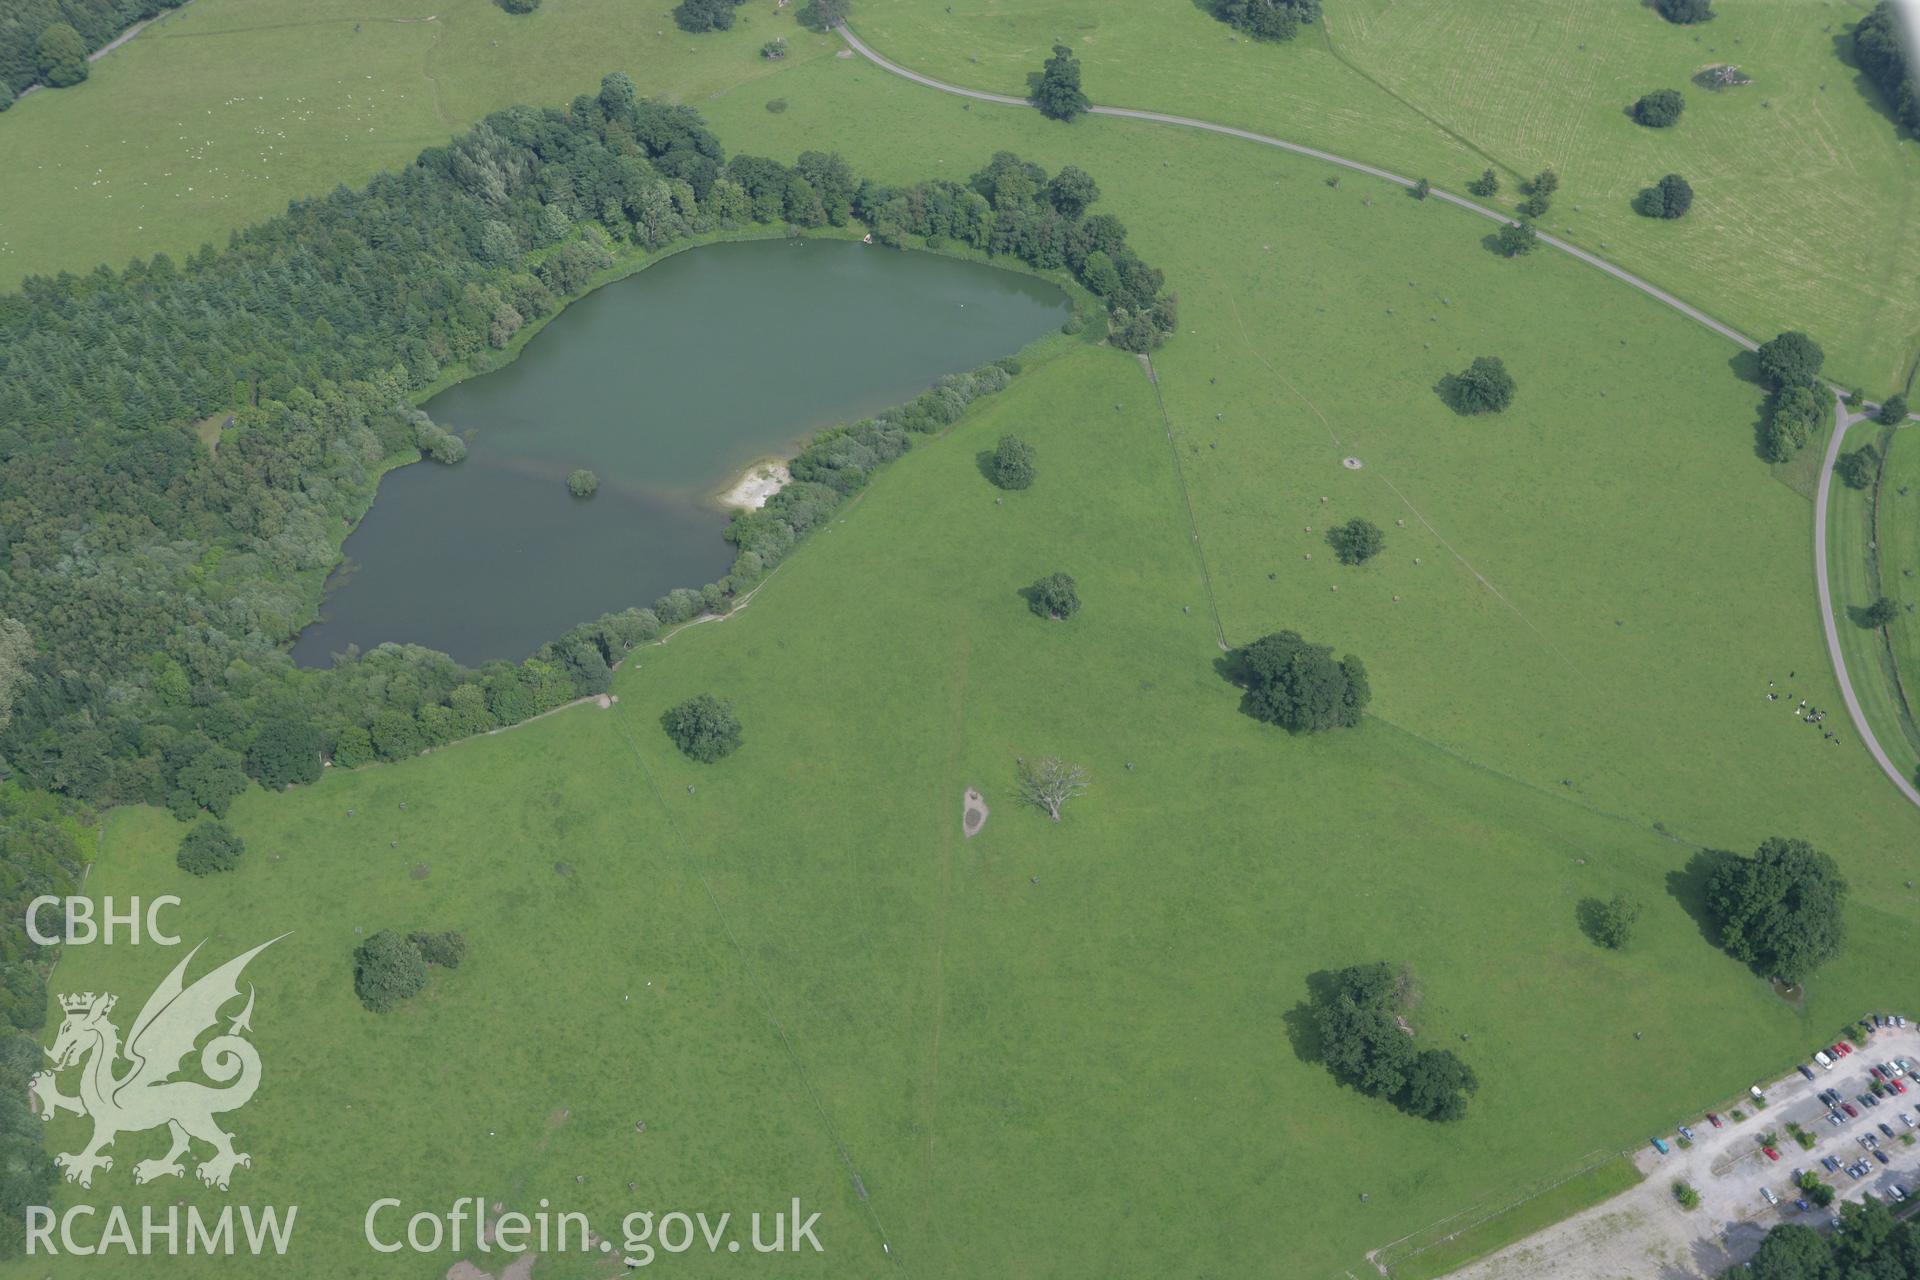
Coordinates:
[1825,1062]
[1768,1193]
[1906,1118]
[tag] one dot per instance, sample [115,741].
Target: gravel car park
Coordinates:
[1743,1194]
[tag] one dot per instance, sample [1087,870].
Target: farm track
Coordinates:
[1593,260]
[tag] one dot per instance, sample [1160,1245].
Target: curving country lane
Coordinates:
[1842,421]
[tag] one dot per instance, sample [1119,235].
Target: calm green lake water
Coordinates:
[667,384]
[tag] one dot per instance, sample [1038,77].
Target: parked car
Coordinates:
[1886,1128]
[1713,1119]
[1772,1154]
[1660,1146]
[1806,1070]
[1848,1108]
[1688,1133]
[1825,1062]
[1899,1086]
[1768,1193]
[1907,1119]
[1898,1192]
[1881,1156]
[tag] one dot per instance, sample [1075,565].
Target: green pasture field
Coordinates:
[1851,534]
[1808,199]
[219,113]
[1076,1049]
[1899,535]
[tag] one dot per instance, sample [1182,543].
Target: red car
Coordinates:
[1713,1119]
[1848,1108]
[1844,1048]
[1771,1153]
[1899,1086]
[1874,1072]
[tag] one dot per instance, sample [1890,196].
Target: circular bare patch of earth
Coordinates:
[1351,464]
[973,813]
[421,872]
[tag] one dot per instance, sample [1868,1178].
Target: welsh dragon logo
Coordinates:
[145,1095]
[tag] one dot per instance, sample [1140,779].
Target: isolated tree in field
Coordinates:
[1792,416]
[1515,240]
[1781,909]
[774,49]
[1484,386]
[209,847]
[582,483]
[1011,466]
[1357,541]
[1880,612]
[1357,1015]
[1487,184]
[703,727]
[1789,360]
[386,970]
[1894,409]
[1048,783]
[1056,90]
[822,15]
[1685,12]
[1669,198]
[1858,468]
[1054,596]
[1299,686]
[1659,109]
[519,6]
[1267,19]
[1422,189]
[1543,183]
[62,56]
[1534,206]
[705,15]
[446,949]
[1611,922]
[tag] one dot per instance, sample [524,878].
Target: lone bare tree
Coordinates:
[1050,782]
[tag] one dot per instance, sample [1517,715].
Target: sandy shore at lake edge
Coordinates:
[762,480]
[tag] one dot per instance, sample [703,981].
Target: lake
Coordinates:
[667,385]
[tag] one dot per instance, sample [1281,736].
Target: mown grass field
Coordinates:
[1875,666]
[1899,534]
[1808,209]
[219,113]
[1075,1049]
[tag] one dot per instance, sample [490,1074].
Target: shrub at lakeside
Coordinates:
[154,664]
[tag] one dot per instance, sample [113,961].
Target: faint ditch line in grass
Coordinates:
[769,1010]
[1575,1193]
[1186,496]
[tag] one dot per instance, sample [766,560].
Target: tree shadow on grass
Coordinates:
[1858,615]
[1746,367]
[1448,389]
[1688,886]
[1302,1034]
[1587,914]
[984,461]
[1864,84]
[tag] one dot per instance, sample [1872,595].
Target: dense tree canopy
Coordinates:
[1055,596]
[1267,19]
[1858,468]
[387,969]
[1299,686]
[62,54]
[1684,12]
[1011,464]
[1484,386]
[1515,240]
[1056,90]
[1659,109]
[208,847]
[1358,1016]
[1883,49]
[1894,408]
[94,22]
[1781,909]
[1357,541]
[705,15]
[154,584]
[1793,415]
[1869,1245]
[1790,360]
[1670,197]
[704,727]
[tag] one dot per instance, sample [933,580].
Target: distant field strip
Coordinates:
[1451,1244]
